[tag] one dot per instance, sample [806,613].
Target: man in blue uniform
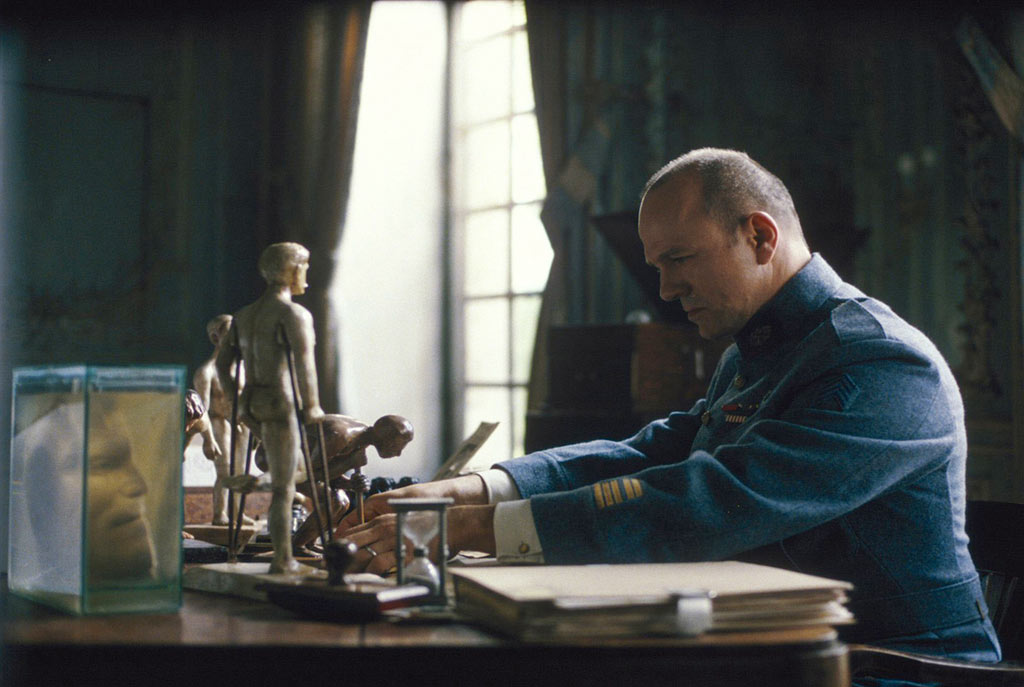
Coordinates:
[831,439]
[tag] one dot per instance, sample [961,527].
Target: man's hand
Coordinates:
[470,521]
[468,490]
[470,528]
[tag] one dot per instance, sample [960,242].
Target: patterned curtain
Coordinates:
[577,115]
[317,64]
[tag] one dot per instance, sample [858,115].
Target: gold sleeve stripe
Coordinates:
[607,493]
[616,494]
[616,491]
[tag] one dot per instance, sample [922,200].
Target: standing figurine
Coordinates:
[269,335]
[218,408]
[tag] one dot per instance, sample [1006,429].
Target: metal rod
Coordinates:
[237,525]
[359,499]
[297,401]
[327,484]
[232,557]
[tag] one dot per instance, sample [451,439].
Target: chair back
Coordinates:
[996,531]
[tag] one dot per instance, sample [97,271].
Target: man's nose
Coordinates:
[670,289]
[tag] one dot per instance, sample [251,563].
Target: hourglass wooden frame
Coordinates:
[402,508]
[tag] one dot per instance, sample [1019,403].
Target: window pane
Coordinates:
[531,250]
[525,311]
[518,421]
[486,165]
[485,404]
[519,13]
[487,340]
[485,85]
[484,18]
[522,83]
[486,241]
[527,170]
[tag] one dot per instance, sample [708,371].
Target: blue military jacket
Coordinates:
[831,441]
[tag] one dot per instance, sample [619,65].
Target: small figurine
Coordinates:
[275,338]
[346,440]
[218,408]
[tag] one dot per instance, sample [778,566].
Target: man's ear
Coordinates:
[764,232]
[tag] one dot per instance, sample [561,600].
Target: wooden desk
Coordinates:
[224,641]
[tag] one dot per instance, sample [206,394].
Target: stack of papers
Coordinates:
[537,603]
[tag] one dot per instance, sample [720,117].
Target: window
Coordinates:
[497,189]
[402,343]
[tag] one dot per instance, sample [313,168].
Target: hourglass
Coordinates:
[419,521]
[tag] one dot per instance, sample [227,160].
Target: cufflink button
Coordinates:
[706,417]
[739,381]
[524,547]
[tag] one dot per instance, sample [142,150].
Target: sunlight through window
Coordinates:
[498,184]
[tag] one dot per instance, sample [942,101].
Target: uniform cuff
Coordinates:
[500,486]
[515,535]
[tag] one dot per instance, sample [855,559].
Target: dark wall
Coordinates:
[134,154]
[132,178]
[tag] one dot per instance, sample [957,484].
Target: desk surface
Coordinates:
[213,637]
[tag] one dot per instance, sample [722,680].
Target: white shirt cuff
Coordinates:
[500,486]
[515,534]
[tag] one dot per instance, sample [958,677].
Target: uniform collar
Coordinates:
[787,317]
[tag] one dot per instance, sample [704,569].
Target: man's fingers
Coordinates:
[376,542]
[372,508]
[378,562]
[380,529]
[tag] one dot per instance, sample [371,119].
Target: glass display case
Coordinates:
[95,493]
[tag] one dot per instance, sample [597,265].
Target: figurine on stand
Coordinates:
[275,338]
[346,440]
[218,408]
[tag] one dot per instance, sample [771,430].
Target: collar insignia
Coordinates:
[737,413]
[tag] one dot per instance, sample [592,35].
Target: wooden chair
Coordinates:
[997,545]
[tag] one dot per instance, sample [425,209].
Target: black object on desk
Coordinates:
[350,603]
[197,551]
